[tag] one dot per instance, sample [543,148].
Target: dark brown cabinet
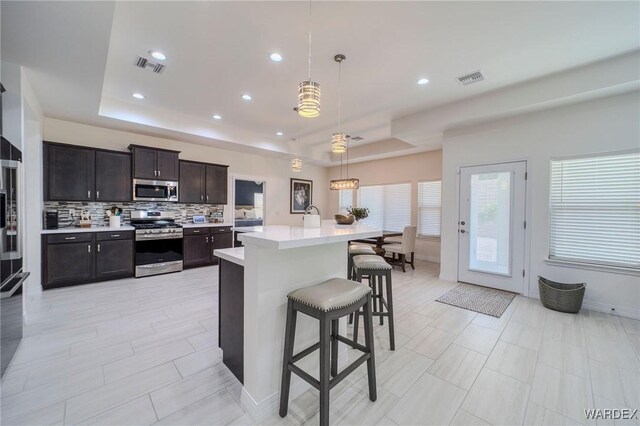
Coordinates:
[203,183]
[199,244]
[151,163]
[113,176]
[78,258]
[192,182]
[73,173]
[114,257]
[68,259]
[68,173]
[216,184]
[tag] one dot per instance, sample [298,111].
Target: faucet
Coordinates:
[308,210]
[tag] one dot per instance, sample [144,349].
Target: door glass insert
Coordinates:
[490,223]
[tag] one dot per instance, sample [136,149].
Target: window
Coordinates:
[594,210]
[429,208]
[389,205]
[346,199]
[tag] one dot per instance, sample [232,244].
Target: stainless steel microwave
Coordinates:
[155,190]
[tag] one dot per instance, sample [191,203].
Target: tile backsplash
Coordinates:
[183,213]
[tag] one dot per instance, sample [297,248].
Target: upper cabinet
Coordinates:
[113,176]
[75,173]
[68,173]
[203,183]
[151,163]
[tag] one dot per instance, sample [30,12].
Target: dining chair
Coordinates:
[406,247]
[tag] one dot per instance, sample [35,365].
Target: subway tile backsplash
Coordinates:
[99,218]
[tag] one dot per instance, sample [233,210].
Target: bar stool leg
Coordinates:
[392,337]
[334,348]
[356,315]
[350,267]
[380,298]
[289,336]
[325,336]
[368,342]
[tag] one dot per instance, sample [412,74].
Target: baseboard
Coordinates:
[614,310]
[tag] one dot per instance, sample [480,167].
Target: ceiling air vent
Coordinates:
[474,77]
[144,64]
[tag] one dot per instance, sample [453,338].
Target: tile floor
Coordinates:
[142,352]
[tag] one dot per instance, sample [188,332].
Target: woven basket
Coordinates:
[561,297]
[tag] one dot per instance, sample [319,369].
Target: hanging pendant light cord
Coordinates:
[339,93]
[309,40]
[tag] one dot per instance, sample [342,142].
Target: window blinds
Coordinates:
[429,194]
[389,205]
[594,210]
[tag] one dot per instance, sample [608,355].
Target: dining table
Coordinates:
[380,240]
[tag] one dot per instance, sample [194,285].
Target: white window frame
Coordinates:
[577,263]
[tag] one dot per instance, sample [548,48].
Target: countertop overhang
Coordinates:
[234,255]
[288,237]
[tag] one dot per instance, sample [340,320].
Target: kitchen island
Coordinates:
[274,261]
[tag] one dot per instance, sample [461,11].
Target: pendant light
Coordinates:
[309,90]
[345,183]
[296,163]
[339,139]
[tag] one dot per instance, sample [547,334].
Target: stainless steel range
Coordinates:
[158,241]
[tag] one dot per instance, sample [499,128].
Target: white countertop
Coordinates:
[205,225]
[73,229]
[235,255]
[248,228]
[286,237]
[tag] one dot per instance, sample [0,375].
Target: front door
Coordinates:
[491,226]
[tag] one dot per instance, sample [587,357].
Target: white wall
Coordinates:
[409,168]
[276,172]
[603,125]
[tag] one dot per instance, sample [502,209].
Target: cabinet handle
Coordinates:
[201,198]
[206,239]
[89,248]
[207,198]
[197,231]
[70,238]
[115,235]
[98,248]
[97,194]
[155,173]
[89,194]
[158,173]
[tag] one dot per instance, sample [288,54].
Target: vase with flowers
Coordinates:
[359,212]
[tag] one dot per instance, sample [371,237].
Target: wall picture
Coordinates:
[301,195]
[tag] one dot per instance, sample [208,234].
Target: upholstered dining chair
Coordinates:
[406,247]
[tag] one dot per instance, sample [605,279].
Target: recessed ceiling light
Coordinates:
[217,116]
[157,55]
[138,95]
[246,97]
[423,81]
[275,57]
[279,133]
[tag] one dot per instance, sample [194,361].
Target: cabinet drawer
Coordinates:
[114,235]
[196,231]
[69,238]
[219,229]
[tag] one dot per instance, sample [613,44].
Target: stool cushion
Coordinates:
[330,295]
[368,261]
[355,249]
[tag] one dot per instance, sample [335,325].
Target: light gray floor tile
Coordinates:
[204,340]
[47,416]
[217,409]
[497,399]
[137,412]
[463,418]
[512,360]
[399,372]
[524,335]
[459,366]
[477,338]
[431,342]
[537,415]
[185,392]
[198,361]
[454,320]
[104,398]
[169,335]
[430,401]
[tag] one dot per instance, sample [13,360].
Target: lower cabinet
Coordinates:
[86,257]
[199,244]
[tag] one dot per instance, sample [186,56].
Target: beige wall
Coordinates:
[275,172]
[411,168]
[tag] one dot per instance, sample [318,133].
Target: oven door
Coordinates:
[153,190]
[158,250]
[10,318]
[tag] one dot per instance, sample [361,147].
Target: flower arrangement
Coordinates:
[359,212]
